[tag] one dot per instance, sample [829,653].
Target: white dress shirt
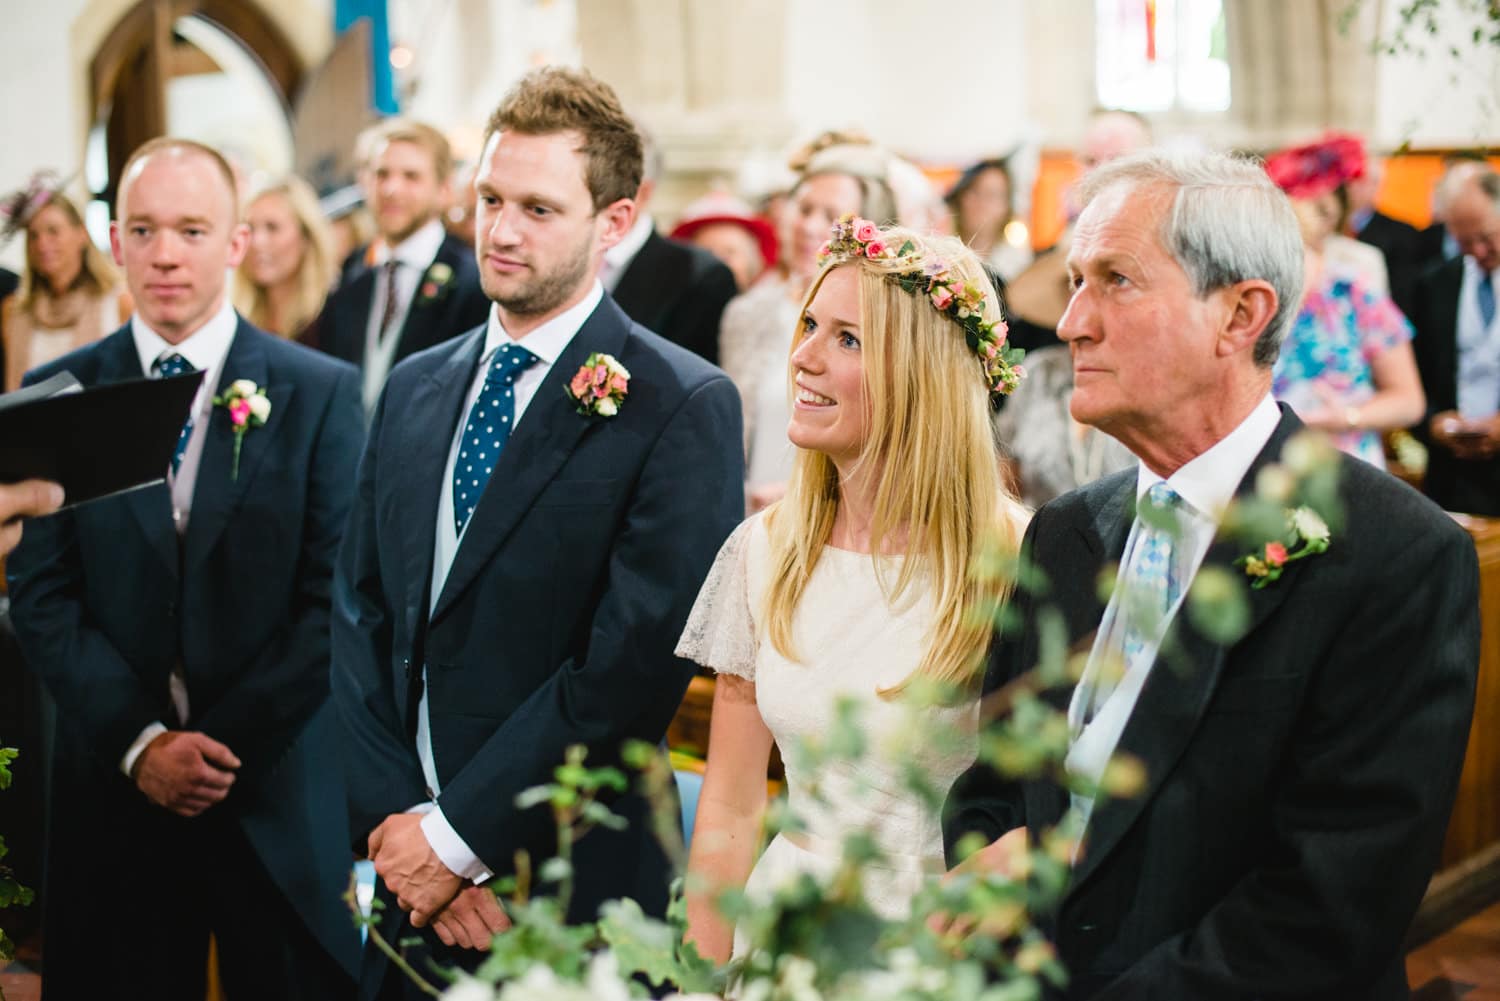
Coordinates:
[546,342]
[618,257]
[205,349]
[1206,485]
[413,256]
[1478,346]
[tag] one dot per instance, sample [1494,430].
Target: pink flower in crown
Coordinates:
[991,349]
[825,250]
[239,412]
[1002,331]
[865,230]
[942,296]
[876,249]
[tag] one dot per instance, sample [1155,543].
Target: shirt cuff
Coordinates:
[150,733]
[451,849]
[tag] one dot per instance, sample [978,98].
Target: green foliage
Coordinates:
[12,893]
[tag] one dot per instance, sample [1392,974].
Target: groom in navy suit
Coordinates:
[519,562]
[183,631]
[1298,780]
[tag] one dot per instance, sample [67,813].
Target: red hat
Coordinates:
[1318,167]
[719,206]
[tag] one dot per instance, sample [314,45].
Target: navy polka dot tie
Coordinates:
[488,427]
[166,367]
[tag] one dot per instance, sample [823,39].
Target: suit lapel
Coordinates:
[423,325]
[151,507]
[1181,683]
[547,434]
[217,493]
[361,301]
[428,423]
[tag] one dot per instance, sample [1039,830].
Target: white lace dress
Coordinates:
[851,641]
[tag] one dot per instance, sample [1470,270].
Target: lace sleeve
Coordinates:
[720,631]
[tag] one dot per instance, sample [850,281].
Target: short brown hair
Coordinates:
[552,100]
[408,130]
[163,143]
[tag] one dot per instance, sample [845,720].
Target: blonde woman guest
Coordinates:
[69,294]
[756,330]
[284,279]
[860,580]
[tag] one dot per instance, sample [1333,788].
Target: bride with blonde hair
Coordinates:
[862,582]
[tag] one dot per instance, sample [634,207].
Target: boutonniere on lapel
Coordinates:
[248,407]
[435,282]
[1307,535]
[600,385]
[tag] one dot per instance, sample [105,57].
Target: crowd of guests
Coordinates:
[794,374]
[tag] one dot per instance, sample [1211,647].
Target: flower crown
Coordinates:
[961,300]
[19,207]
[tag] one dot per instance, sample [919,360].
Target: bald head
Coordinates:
[168,148]
[1473,216]
[1111,135]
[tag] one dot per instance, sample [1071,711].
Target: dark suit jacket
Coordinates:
[558,618]
[106,601]
[1299,782]
[1400,243]
[678,291]
[1471,486]
[455,308]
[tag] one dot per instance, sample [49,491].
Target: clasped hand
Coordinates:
[461,913]
[185,771]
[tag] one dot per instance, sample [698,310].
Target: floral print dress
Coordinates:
[1341,328]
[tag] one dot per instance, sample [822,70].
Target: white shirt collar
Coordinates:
[417,250]
[1473,272]
[620,255]
[205,348]
[1208,481]
[548,340]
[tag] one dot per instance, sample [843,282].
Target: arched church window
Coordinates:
[1161,55]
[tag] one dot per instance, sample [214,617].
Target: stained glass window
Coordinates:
[1161,55]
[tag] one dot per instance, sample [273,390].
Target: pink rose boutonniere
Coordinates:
[1307,535]
[248,407]
[599,386]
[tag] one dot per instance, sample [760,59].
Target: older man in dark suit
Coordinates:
[523,551]
[418,286]
[669,287]
[183,631]
[1298,781]
[1458,353]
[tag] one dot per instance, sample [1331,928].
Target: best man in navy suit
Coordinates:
[504,594]
[421,286]
[183,630]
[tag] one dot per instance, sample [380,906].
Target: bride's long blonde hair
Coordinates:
[933,454]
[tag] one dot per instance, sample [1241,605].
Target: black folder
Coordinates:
[98,441]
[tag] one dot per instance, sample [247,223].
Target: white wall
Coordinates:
[42,98]
[1438,99]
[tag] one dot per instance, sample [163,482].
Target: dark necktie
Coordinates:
[166,367]
[1487,300]
[388,311]
[487,429]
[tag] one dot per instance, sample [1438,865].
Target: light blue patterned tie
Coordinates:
[1151,582]
[1487,300]
[166,367]
[487,429]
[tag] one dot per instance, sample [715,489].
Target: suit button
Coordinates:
[406,667]
[430,794]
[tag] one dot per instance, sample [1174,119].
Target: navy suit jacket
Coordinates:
[1298,782]
[106,601]
[455,308]
[557,621]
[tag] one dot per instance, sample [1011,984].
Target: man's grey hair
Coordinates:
[1457,177]
[1228,223]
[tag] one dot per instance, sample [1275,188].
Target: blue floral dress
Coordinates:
[1341,328]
